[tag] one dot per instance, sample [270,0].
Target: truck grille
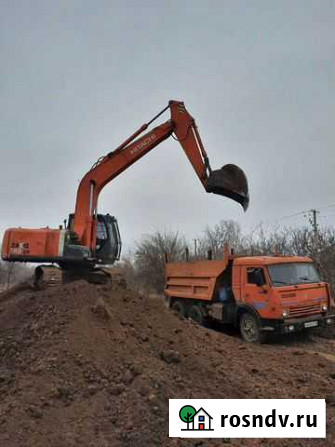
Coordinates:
[302,311]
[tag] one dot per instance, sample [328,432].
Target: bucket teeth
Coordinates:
[230,181]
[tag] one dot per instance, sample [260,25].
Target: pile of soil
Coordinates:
[95,366]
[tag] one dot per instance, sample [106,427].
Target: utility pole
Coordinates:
[195,248]
[316,233]
[314,221]
[10,275]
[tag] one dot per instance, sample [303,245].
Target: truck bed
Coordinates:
[194,279]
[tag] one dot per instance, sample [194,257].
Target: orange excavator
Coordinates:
[91,240]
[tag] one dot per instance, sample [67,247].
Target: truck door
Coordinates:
[256,290]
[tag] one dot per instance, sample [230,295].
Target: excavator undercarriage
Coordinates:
[51,276]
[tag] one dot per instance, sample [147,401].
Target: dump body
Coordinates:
[283,293]
[194,280]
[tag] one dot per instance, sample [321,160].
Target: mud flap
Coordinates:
[229,181]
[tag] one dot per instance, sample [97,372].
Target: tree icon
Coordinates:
[186,414]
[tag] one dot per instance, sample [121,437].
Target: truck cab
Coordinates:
[285,294]
[260,294]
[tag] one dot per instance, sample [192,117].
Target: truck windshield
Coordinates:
[293,273]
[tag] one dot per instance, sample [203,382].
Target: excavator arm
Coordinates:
[229,181]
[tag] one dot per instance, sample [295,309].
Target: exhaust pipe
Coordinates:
[229,181]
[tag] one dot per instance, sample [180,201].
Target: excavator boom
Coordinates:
[229,181]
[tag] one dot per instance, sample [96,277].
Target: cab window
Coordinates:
[102,235]
[256,276]
[101,230]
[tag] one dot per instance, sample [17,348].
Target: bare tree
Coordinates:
[13,273]
[146,268]
[302,241]
[264,241]
[127,266]
[215,238]
[150,257]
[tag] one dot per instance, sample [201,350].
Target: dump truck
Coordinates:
[258,294]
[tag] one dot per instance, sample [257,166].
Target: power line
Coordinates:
[328,215]
[292,215]
[289,216]
[325,207]
[305,213]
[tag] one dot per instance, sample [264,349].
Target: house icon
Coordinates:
[201,420]
[195,420]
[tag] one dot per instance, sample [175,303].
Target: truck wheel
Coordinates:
[179,308]
[250,329]
[196,314]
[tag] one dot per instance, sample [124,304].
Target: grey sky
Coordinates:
[78,77]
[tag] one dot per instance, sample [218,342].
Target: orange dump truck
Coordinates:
[260,294]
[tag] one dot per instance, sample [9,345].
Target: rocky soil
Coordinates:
[95,366]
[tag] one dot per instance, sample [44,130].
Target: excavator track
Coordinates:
[51,276]
[116,275]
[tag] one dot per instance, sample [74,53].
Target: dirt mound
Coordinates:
[95,366]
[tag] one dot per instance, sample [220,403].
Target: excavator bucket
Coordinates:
[229,181]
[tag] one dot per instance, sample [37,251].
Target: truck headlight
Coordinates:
[285,313]
[324,308]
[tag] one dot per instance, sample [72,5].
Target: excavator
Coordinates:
[90,240]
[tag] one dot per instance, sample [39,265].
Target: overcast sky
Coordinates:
[78,77]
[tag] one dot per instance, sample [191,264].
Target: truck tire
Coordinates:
[178,307]
[196,314]
[250,329]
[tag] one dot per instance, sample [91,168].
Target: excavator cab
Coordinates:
[108,239]
[108,242]
[229,181]
[79,261]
